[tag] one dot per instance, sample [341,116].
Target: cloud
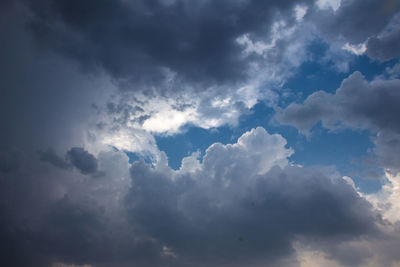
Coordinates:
[161,67]
[240,204]
[355,49]
[387,150]
[39,89]
[50,156]
[237,209]
[386,200]
[142,46]
[76,157]
[205,74]
[349,29]
[9,159]
[357,104]
[63,217]
[393,72]
[354,21]
[384,48]
[85,162]
[325,4]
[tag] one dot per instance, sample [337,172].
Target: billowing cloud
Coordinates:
[237,209]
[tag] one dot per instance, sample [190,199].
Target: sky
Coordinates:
[199,133]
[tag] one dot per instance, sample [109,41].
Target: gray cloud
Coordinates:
[353,29]
[85,162]
[357,104]
[354,20]
[9,159]
[384,48]
[63,217]
[245,224]
[76,157]
[50,156]
[38,89]
[225,214]
[388,149]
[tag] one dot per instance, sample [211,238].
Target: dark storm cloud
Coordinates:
[357,104]
[137,40]
[85,162]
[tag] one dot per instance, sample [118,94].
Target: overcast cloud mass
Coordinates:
[199,133]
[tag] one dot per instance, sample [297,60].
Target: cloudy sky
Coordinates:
[199,133]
